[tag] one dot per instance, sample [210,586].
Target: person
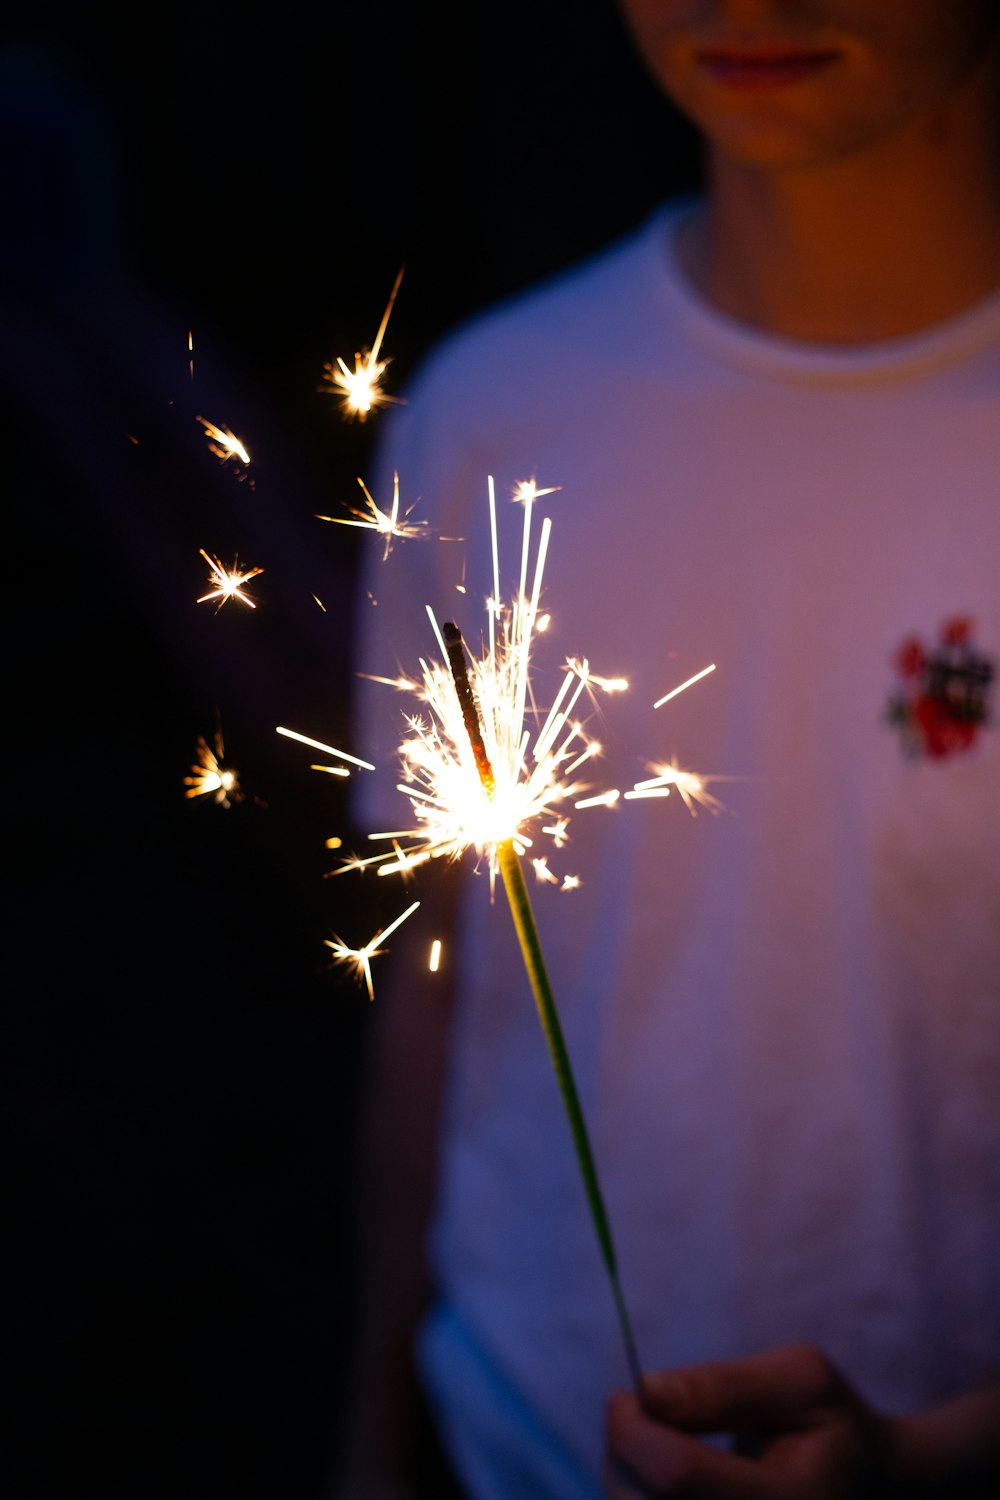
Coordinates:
[771,412]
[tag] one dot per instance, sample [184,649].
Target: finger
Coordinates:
[787,1387]
[650,1460]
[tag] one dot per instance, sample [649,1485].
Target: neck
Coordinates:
[869,247]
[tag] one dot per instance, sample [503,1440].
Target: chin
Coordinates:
[775,143]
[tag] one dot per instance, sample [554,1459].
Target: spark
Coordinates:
[223,443]
[570,883]
[333,843]
[526,491]
[191,353]
[228,582]
[303,739]
[332,770]
[359,389]
[689,683]
[320,602]
[603,799]
[533,772]
[558,831]
[434,962]
[360,958]
[386,523]
[209,778]
[690,787]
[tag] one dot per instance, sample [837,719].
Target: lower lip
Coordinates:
[765,73]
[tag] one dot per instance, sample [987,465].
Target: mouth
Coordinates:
[763,66]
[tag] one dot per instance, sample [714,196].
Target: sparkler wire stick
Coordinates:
[534,963]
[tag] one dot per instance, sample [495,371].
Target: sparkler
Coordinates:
[386,523]
[228,582]
[223,443]
[360,958]
[475,779]
[208,778]
[359,389]
[534,963]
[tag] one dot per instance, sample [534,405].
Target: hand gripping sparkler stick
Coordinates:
[534,963]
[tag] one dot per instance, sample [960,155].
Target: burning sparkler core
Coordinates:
[532,781]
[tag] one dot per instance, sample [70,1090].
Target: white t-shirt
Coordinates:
[784,1019]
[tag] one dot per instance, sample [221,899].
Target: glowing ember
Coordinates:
[223,443]
[209,778]
[360,958]
[386,523]
[359,389]
[228,582]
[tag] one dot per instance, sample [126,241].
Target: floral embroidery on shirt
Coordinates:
[942,697]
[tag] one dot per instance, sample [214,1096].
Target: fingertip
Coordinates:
[621,1409]
[662,1392]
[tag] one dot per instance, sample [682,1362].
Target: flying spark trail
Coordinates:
[360,958]
[209,778]
[387,523]
[303,739]
[359,389]
[228,582]
[690,787]
[223,443]
[689,683]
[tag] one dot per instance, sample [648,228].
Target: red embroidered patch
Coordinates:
[942,699]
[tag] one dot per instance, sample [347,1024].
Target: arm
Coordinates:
[810,1435]
[401,1112]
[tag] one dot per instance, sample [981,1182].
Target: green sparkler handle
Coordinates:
[534,962]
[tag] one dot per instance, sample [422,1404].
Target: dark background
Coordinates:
[183,1064]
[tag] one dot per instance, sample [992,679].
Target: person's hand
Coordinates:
[800,1433]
